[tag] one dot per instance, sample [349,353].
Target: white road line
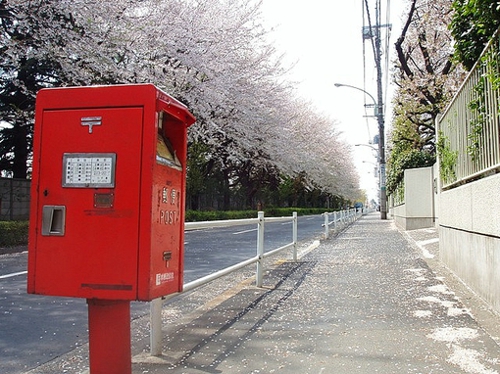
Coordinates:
[243,232]
[13,275]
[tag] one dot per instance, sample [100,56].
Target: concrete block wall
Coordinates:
[469,235]
[420,208]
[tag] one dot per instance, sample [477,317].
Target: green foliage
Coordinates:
[410,148]
[198,216]
[13,233]
[399,194]
[411,159]
[472,26]
[477,122]
[488,64]
[215,215]
[198,172]
[447,159]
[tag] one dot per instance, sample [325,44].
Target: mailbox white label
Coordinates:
[164,278]
[89,170]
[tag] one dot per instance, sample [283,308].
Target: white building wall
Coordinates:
[419,209]
[469,233]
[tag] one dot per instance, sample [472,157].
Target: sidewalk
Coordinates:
[371,300]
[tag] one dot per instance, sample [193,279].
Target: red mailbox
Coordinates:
[108,193]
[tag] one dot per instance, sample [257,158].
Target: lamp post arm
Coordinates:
[371,147]
[381,141]
[366,145]
[357,88]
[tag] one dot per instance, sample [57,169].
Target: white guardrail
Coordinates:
[340,220]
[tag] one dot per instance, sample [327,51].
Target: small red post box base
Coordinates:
[109,336]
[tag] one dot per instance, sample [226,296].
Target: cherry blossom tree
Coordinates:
[426,77]
[213,55]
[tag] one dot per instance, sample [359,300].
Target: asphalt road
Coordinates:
[209,250]
[35,329]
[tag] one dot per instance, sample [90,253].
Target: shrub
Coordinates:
[197,216]
[13,233]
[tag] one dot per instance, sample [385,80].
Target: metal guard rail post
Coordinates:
[156,305]
[341,219]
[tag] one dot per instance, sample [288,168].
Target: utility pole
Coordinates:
[372,32]
[380,115]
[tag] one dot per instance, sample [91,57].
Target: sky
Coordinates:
[323,38]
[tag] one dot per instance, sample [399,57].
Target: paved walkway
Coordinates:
[370,300]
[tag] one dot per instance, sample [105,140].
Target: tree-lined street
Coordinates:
[374,298]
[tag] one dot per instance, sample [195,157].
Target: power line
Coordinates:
[387,52]
[364,72]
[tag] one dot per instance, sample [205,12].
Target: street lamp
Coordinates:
[360,89]
[379,113]
[369,146]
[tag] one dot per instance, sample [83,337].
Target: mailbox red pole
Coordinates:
[109,336]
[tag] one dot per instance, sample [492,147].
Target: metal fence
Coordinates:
[468,131]
[340,220]
[14,199]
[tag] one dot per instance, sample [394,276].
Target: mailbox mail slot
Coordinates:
[53,220]
[108,193]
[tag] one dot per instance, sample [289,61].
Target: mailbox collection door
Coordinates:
[88,205]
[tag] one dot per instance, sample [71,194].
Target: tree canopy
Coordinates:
[472,26]
[252,134]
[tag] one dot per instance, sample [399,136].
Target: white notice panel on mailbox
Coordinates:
[89,170]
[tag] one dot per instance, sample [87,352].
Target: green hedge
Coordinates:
[197,216]
[13,233]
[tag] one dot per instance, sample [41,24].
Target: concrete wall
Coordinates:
[436,187]
[14,199]
[420,208]
[469,235]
